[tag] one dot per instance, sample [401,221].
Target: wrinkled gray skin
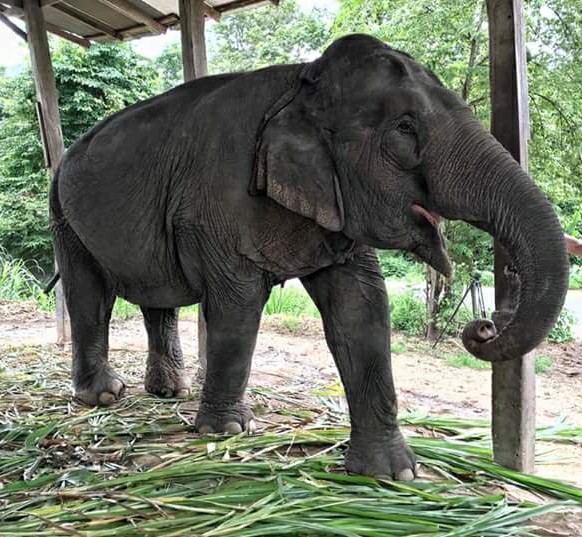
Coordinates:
[223,187]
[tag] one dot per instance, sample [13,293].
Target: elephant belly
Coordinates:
[160,296]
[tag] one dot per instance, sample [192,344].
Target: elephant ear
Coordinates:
[294,167]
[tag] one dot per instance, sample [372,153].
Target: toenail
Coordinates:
[233,428]
[406,475]
[205,429]
[106,398]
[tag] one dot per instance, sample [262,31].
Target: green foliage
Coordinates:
[123,309]
[92,83]
[487,278]
[169,64]
[254,38]
[407,313]
[292,301]
[397,347]
[562,330]
[543,363]
[18,282]
[265,36]
[464,359]
[575,277]
[399,265]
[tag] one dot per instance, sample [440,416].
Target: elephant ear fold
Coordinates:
[294,168]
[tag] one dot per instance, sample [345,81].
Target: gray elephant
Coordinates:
[223,187]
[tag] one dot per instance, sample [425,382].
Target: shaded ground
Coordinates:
[293,351]
[291,361]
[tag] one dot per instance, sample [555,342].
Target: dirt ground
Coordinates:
[296,357]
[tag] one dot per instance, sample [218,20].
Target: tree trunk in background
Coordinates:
[434,289]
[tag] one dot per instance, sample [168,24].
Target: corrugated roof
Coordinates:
[117,20]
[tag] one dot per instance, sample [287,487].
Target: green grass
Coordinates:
[575,277]
[292,301]
[543,363]
[464,359]
[17,282]
[398,347]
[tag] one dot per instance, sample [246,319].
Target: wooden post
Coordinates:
[194,65]
[46,94]
[193,42]
[514,381]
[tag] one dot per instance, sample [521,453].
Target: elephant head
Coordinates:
[370,144]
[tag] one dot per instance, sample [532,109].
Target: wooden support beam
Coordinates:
[195,66]
[513,381]
[13,27]
[193,41]
[46,94]
[131,11]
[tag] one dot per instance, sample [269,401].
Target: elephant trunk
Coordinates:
[471,177]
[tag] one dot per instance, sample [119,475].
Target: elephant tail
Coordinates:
[51,284]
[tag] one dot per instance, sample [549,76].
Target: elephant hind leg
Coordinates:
[165,374]
[90,297]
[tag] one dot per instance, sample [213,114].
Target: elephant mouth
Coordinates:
[433,218]
[432,248]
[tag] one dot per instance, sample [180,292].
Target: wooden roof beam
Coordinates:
[81,41]
[134,13]
[87,19]
[16,9]
[127,33]
[211,12]
[49,27]
[240,4]
[19,32]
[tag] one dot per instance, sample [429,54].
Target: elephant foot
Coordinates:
[384,457]
[231,417]
[165,381]
[103,389]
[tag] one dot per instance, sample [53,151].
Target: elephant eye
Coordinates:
[406,126]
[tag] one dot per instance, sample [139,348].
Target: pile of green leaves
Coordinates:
[139,469]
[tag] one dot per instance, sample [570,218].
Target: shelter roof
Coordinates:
[83,21]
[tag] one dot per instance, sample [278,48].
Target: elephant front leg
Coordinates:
[232,335]
[354,306]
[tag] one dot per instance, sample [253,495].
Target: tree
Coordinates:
[169,64]
[254,38]
[92,83]
[265,36]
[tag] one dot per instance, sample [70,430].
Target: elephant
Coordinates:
[223,187]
